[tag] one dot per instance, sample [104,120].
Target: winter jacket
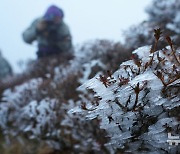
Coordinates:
[57,41]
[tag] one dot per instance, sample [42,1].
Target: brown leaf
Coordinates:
[104,80]
[109,73]
[123,81]
[169,41]
[136,60]
[157,33]
[83,106]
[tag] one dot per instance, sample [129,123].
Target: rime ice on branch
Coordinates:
[140,103]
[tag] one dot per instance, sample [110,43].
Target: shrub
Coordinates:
[138,105]
[36,104]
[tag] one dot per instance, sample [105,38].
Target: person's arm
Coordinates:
[30,34]
[65,42]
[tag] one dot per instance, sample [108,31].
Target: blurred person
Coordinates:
[5,68]
[51,33]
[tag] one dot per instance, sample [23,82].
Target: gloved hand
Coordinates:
[41,26]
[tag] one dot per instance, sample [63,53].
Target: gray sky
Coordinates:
[88,20]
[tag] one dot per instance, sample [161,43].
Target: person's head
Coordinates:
[53,14]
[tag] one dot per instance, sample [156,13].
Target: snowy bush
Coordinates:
[139,104]
[36,108]
[161,13]
[135,107]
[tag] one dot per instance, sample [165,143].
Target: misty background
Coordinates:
[88,20]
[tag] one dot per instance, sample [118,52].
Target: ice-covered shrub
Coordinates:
[161,13]
[37,110]
[36,104]
[139,104]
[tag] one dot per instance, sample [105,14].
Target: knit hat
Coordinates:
[53,12]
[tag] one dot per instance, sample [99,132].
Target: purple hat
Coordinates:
[52,12]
